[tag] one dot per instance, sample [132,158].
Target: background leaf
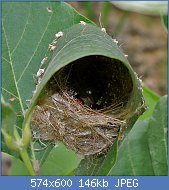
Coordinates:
[41,151]
[165,21]
[158,137]
[144,150]
[133,153]
[60,161]
[8,118]
[151,98]
[18,168]
[8,125]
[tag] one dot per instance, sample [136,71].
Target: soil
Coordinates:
[142,37]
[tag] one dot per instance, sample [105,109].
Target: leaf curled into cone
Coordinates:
[86,60]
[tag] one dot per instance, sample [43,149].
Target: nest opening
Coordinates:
[85,104]
[95,81]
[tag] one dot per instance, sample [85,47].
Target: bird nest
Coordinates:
[86,104]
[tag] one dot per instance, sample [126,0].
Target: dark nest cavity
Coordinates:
[85,105]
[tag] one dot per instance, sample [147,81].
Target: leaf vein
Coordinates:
[35,49]
[6,60]
[6,39]
[130,158]
[10,93]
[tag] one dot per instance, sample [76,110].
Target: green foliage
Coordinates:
[165,21]
[158,137]
[144,150]
[27,30]
[89,9]
[90,41]
[8,118]
[18,168]
[60,161]
[8,126]
[151,98]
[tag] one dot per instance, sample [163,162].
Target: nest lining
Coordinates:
[85,105]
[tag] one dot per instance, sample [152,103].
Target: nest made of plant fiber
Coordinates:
[85,105]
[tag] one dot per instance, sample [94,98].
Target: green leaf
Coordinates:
[144,150]
[8,129]
[18,168]
[100,165]
[105,13]
[27,29]
[133,153]
[60,162]
[151,98]
[8,118]
[164,19]
[82,41]
[158,137]
[88,6]
[41,153]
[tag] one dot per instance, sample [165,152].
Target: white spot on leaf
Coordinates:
[82,23]
[103,30]
[43,60]
[115,41]
[49,10]
[52,47]
[40,72]
[59,34]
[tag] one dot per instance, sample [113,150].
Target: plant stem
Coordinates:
[89,10]
[122,19]
[27,161]
[106,9]
[24,155]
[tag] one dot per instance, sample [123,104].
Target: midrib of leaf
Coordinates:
[150,156]
[35,49]
[13,73]
[130,157]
